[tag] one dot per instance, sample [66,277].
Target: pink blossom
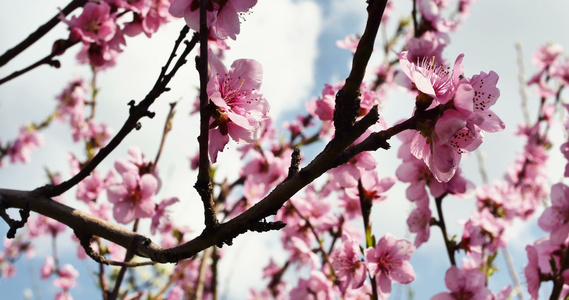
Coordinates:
[95,24]
[116,252]
[443,151]
[543,256]
[545,55]
[457,186]
[176,293]
[161,216]
[322,108]
[263,172]
[417,173]
[239,107]
[137,6]
[362,293]
[319,212]
[348,174]
[47,268]
[389,261]
[100,209]
[349,43]
[484,229]
[473,99]
[317,287]
[373,191]
[430,78]
[67,275]
[555,219]
[95,134]
[222,17]
[41,225]
[102,54]
[89,188]
[497,199]
[529,174]
[28,140]
[301,252]
[419,222]
[136,163]
[63,295]
[132,198]
[431,10]
[430,44]
[271,270]
[465,284]
[13,249]
[148,17]
[532,272]
[560,70]
[351,272]
[8,270]
[72,102]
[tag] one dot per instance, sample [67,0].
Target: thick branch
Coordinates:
[203,184]
[347,99]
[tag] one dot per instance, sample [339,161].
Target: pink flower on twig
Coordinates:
[133,197]
[222,17]
[239,107]
[389,261]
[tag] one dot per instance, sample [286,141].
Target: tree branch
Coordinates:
[203,185]
[347,99]
[82,223]
[40,32]
[48,60]
[137,112]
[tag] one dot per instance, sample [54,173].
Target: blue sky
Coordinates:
[295,42]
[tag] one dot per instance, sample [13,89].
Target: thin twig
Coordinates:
[441,223]
[325,255]
[167,128]
[522,81]
[41,31]
[48,60]
[128,256]
[200,282]
[137,112]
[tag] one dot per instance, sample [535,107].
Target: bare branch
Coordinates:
[137,112]
[40,32]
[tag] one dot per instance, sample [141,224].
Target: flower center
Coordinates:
[93,26]
[232,93]
[438,75]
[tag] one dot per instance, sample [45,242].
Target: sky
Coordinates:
[295,42]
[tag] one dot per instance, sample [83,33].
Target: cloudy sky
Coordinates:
[295,42]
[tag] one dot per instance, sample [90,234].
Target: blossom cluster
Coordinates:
[323,241]
[101,27]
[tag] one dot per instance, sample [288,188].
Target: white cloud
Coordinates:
[287,50]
